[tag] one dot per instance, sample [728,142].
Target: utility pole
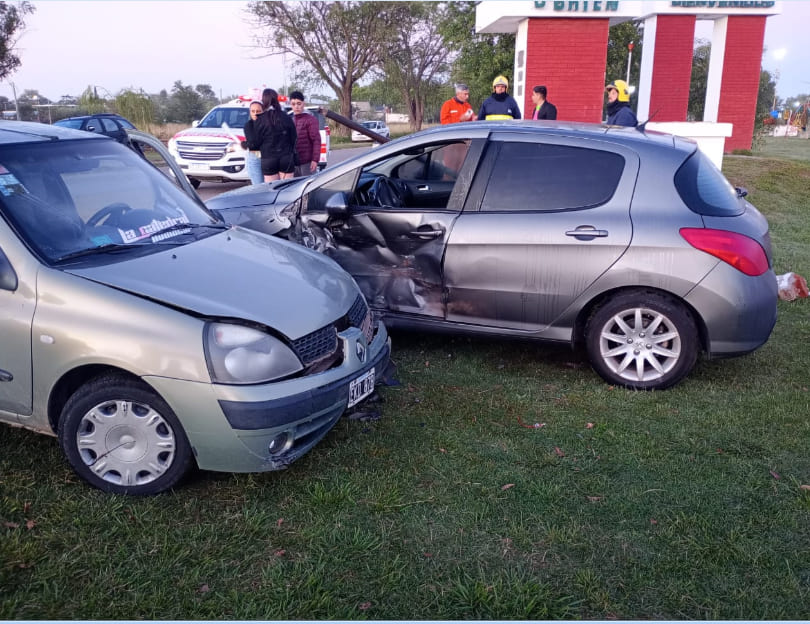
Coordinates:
[16,105]
[629,58]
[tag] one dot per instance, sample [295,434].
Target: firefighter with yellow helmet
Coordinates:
[618,107]
[499,105]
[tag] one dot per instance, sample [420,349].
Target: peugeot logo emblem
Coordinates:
[360,348]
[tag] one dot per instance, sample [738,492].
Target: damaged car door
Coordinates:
[388,223]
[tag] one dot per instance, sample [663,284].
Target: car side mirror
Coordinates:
[8,277]
[337,205]
[195,123]
[91,128]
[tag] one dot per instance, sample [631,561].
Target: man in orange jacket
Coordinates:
[457,108]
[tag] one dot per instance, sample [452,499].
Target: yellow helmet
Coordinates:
[500,80]
[621,89]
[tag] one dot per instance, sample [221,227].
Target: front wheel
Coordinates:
[121,437]
[642,341]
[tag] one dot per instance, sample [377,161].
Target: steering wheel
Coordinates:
[386,193]
[113,212]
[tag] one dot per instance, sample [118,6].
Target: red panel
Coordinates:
[740,83]
[569,57]
[672,67]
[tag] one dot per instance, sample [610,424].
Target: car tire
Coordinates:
[642,341]
[194,182]
[121,437]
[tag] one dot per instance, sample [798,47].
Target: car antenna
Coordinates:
[643,125]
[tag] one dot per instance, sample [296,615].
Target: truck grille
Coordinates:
[201,151]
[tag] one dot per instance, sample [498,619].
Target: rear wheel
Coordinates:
[642,341]
[121,437]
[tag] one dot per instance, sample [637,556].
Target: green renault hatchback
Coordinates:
[151,337]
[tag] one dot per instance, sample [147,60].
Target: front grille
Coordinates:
[201,151]
[315,346]
[360,316]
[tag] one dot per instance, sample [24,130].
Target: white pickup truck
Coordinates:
[210,150]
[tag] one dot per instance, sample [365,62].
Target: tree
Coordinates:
[414,55]
[700,78]
[135,106]
[340,41]
[208,98]
[91,101]
[185,104]
[12,22]
[476,57]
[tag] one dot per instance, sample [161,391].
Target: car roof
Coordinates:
[12,132]
[111,115]
[631,137]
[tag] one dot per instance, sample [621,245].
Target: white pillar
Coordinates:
[645,77]
[714,80]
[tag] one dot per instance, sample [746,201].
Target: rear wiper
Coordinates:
[102,249]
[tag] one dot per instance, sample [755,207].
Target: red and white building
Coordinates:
[563,44]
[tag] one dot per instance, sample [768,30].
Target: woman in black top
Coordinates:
[276,137]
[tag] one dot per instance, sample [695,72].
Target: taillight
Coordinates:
[743,253]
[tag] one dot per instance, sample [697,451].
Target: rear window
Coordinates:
[705,190]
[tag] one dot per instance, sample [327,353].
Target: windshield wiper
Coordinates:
[102,249]
[189,227]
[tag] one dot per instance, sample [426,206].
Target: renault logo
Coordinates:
[360,349]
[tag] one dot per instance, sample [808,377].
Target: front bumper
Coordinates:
[231,428]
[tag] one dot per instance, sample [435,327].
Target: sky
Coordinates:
[149,44]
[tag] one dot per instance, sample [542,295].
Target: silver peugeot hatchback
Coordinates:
[150,336]
[630,243]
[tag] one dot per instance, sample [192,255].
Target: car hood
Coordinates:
[217,133]
[257,206]
[238,274]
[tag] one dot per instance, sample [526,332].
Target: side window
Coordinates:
[315,200]
[94,125]
[547,177]
[109,125]
[443,163]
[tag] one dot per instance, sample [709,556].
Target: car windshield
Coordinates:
[233,116]
[65,198]
[371,125]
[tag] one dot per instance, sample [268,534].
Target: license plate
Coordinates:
[360,388]
[199,167]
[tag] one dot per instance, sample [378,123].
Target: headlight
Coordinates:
[290,210]
[233,147]
[172,144]
[243,355]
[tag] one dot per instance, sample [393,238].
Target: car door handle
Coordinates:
[6,376]
[423,187]
[586,232]
[427,234]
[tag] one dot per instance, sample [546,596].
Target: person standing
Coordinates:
[618,108]
[277,138]
[499,105]
[253,158]
[542,108]
[308,144]
[458,108]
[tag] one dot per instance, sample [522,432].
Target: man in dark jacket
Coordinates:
[618,108]
[499,105]
[308,143]
[542,108]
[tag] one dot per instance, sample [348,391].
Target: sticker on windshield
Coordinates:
[155,226]
[9,184]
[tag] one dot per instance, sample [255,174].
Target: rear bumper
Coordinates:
[738,311]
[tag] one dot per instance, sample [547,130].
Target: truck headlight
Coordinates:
[243,355]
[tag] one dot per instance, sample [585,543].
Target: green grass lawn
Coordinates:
[686,503]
